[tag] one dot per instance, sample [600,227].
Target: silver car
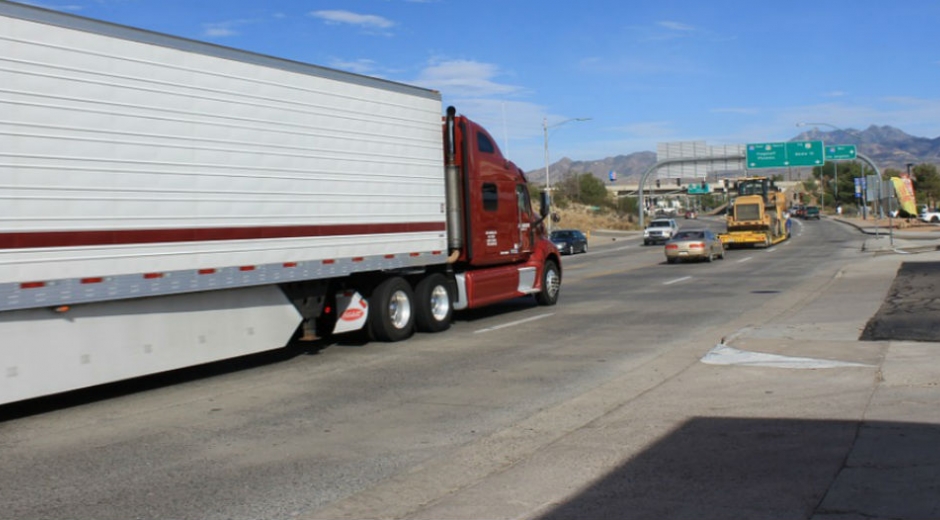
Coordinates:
[694,244]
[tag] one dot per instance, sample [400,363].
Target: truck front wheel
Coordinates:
[551,284]
[391,310]
[434,300]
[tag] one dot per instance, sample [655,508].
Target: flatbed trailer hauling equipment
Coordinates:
[757,216]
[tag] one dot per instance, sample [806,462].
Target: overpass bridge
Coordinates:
[669,187]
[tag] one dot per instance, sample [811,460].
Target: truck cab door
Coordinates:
[525,238]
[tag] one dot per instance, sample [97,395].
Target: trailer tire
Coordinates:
[325,323]
[551,284]
[434,303]
[391,310]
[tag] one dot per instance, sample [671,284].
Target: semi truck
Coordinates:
[757,216]
[168,203]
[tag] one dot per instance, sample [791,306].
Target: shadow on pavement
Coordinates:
[729,468]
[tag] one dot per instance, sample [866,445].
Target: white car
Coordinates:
[659,230]
[930,216]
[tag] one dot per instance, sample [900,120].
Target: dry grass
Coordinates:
[584,218]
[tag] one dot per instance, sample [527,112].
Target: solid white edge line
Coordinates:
[745,259]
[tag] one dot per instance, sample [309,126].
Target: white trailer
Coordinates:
[160,196]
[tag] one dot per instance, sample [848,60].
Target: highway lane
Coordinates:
[289,436]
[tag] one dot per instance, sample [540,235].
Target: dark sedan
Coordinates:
[569,241]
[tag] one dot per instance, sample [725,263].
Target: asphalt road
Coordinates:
[303,432]
[911,308]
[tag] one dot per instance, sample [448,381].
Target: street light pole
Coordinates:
[548,181]
[835,167]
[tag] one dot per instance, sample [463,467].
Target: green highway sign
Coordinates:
[840,152]
[766,155]
[699,189]
[782,155]
[805,153]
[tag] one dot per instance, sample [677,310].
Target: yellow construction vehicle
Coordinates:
[757,216]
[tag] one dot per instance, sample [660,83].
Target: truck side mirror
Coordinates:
[545,201]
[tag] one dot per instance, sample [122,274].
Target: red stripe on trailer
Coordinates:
[152,276]
[206,271]
[37,239]
[95,279]
[32,285]
[247,268]
[290,264]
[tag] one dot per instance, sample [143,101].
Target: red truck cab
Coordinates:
[502,243]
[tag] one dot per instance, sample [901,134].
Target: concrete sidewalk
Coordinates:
[885,238]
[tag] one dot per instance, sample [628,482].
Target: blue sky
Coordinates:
[723,72]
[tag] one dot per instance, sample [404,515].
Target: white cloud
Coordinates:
[225,28]
[57,7]
[650,129]
[465,78]
[217,30]
[735,110]
[360,66]
[676,26]
[368,21]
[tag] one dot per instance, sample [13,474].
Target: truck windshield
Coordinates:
[753,187]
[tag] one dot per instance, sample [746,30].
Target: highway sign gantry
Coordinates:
[782,155]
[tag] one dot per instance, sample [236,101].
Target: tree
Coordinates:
[891,172]
[811,188]
[926,184]
[584,188]
[838,181]
[926,181]
[593,191]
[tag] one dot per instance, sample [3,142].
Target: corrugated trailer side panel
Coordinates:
[130,152]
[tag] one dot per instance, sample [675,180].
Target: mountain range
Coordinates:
[886,146]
